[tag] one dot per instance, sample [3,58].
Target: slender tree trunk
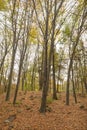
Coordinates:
[58,79]
[74,93]
[54,80]
[23,78]
[18,81]
[68,82]
[10,76]
[32,78]
[41,72]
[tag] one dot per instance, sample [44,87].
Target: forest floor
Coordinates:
[25,114]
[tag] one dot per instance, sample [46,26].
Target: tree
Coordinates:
[16,30]
[79,31]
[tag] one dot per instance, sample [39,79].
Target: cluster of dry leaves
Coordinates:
[25,114]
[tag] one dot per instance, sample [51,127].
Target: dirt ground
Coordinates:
[25,114]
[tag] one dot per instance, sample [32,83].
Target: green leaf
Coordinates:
[67,30]
[3,4]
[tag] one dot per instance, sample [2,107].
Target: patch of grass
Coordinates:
[18,103]
[49,100]
[58,96]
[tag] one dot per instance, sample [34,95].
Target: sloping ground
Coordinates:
[25,114]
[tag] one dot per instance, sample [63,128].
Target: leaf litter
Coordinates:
[25,114]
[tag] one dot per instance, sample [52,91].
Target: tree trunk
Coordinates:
[45,83]
[18,81]
[74,93]
[10,76]
[54,80]
[68,82]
